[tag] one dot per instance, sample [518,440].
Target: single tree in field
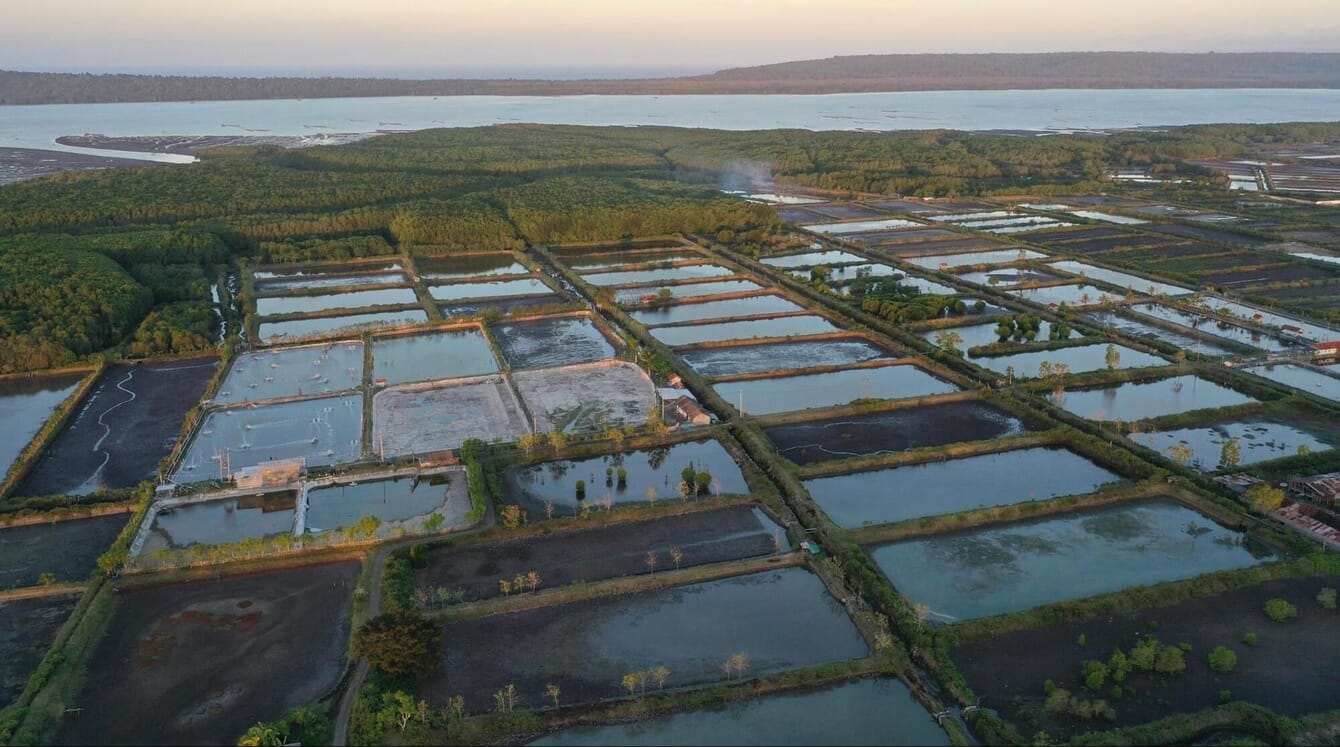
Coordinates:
[949,340]
[629,683]
[549,510]
[505,586]
[505,700]
[660,674]
[551,690]
[1179,453]
[399,644]
[1264,497]
[651,562]
[1113,357]
[1230,454]
[676,555]
[532,581]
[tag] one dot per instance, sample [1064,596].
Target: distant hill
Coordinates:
[863,73]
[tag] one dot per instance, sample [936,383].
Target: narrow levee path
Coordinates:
[378,563]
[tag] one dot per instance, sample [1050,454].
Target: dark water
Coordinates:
[890,495]
[997,569]
[868,712]
[557,341]
[457,268]
[655,468]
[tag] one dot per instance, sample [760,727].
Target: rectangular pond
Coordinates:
[587,647]
[597,261]
[551,341]
[648,469]
[1080,359]
[656,275]
[927,286]
[391,500]
[945,487]
[289,372]
[787,393]
[295,329]
[437,355]
[1070,295]
[315,271]
[67,549]
[1149,399]
[1317,381]
[25,406]
[354,299]
[731,307]
[781,326]
[1314,332]
[839,229]
[967,259]
[1258,441]
[893,431]
[870,711]
[812,259]
[1007,276]
[588,397]
[418,419]
[1136,328]
[1210,326]
[468,266]
[747,359]
[490,289]
[689,290]
[322,431]
[975,335]
[222,522]
[315,281]
[1121,279]
[1106,217]
[1021,565]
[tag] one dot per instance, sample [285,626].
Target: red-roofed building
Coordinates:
[1324,489]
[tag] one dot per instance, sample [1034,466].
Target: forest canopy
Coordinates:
[86,256]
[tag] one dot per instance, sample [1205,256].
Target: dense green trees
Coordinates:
[400,644]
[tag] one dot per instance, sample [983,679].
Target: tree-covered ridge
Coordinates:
[892,72]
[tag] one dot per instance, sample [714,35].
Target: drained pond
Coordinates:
[983,481]
[587,647]
[747,359]
[1017,566]
[871,711]
[554,341]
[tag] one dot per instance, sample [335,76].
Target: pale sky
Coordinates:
[422,36]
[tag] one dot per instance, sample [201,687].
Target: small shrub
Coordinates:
[1222,660]
[1280,610]
[1225,696]
[1326,598]
[1082,639]
[1249,639]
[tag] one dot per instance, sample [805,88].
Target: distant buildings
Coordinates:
[1322,489]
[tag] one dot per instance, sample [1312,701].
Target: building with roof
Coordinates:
[1323,489]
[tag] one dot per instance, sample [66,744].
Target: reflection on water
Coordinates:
[655,469]
[222,522]
[889,495]
[389,500]
[25,405]
[1150,399]
[1017,566]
